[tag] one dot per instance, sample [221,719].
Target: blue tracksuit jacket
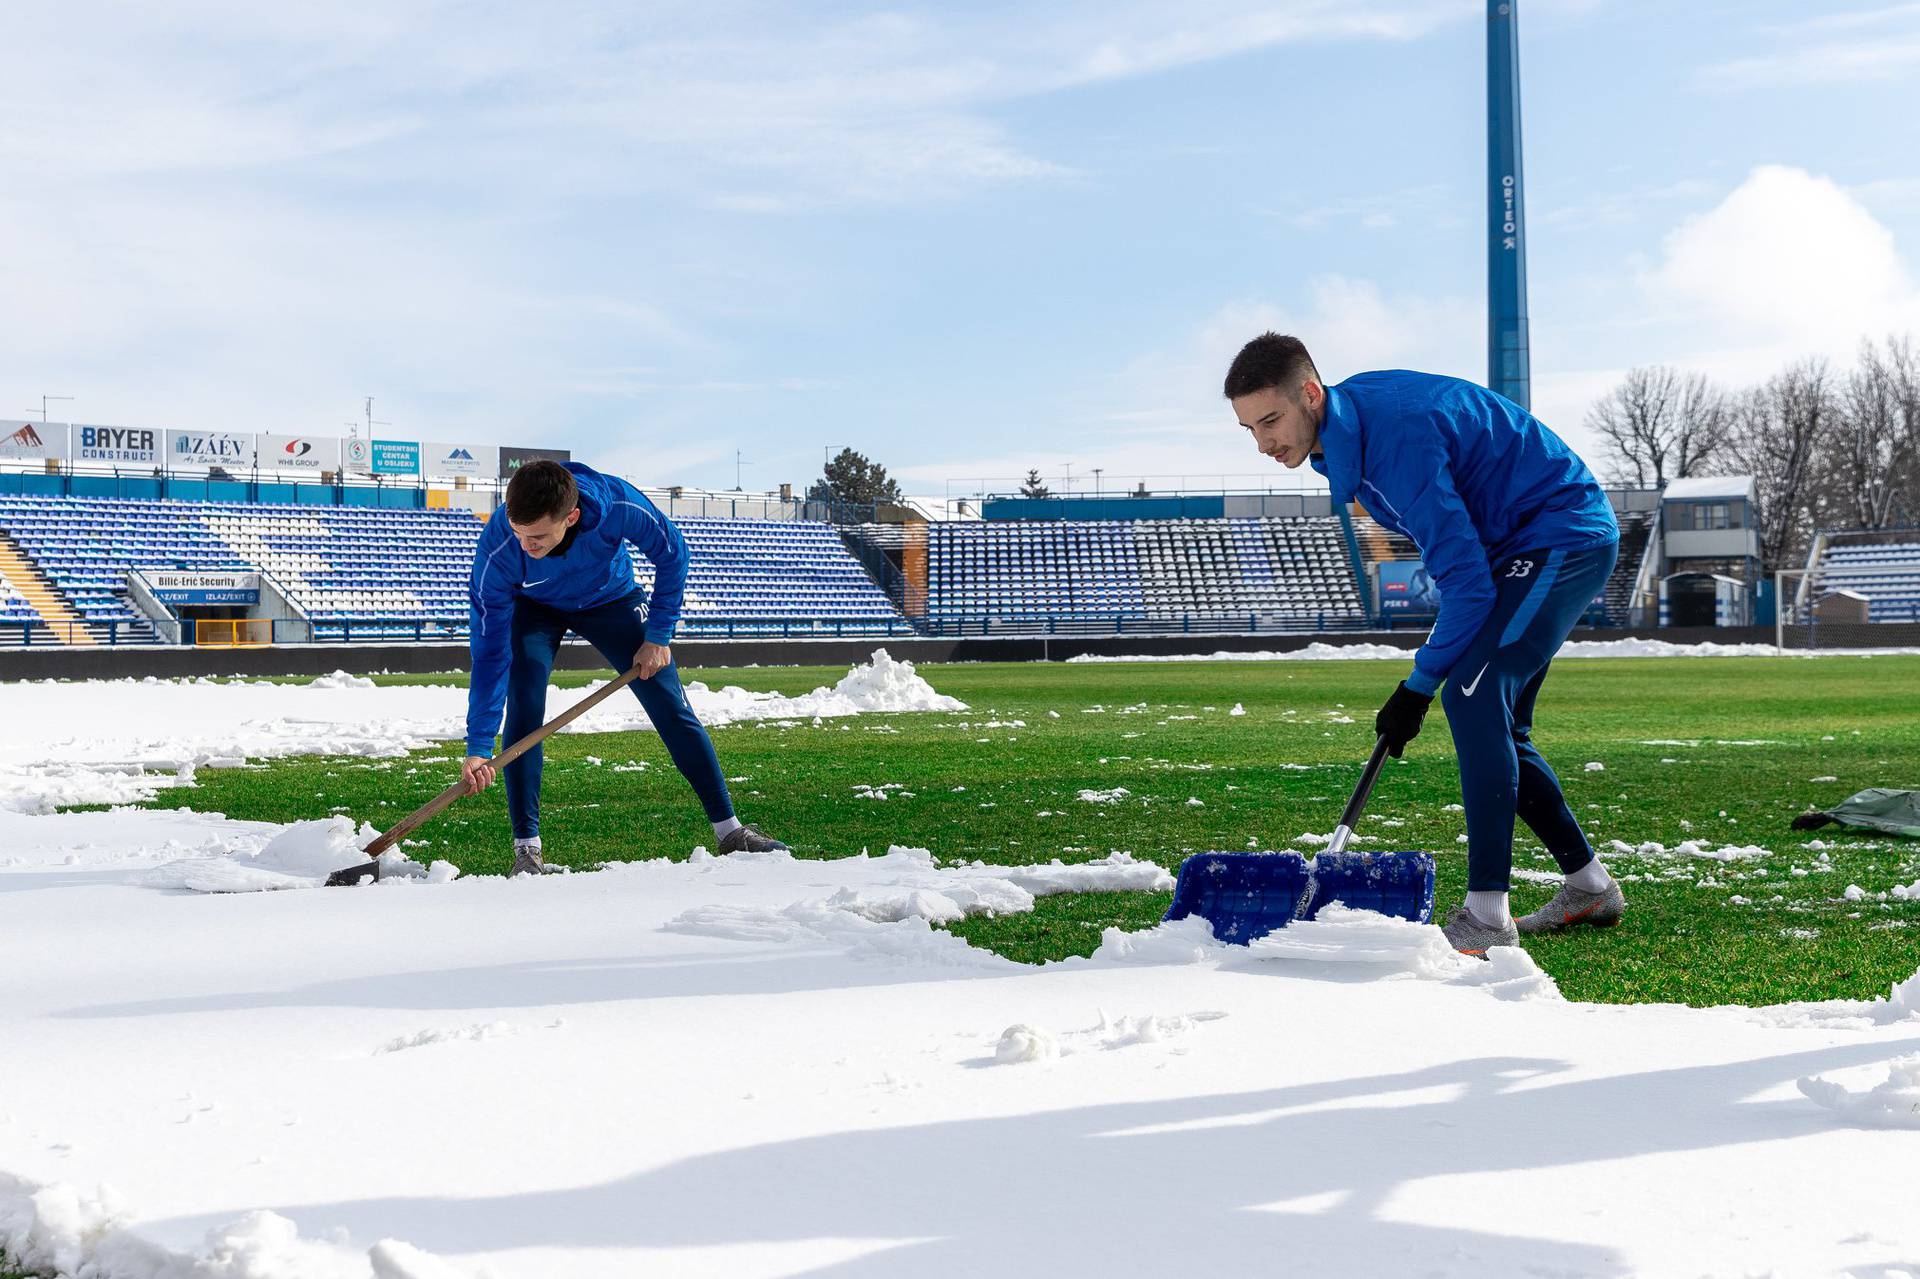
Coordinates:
[1470,476]
[595,569]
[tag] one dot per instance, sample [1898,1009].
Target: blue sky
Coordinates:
[966,239]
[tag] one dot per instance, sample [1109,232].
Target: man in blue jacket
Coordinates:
[1519,538]
[552,559]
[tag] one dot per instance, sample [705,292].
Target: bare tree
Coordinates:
[1903,377]
[1779,431]
[1864,461]
[1660,424]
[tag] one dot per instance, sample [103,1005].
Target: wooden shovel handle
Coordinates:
[433,807]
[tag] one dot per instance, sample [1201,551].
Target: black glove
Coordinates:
[1399,720]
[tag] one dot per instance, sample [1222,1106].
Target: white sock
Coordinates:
[520,845]
[725,827]
[1591,878]
[1490,909]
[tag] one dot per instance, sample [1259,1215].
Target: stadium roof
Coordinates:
[1710,486]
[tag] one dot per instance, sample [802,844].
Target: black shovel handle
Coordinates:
[1361,793]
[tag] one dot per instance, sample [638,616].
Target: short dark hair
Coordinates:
[1272,359]
[541,490]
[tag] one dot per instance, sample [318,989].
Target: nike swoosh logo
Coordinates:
[1468,690]
[544,579]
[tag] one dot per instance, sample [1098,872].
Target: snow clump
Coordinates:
[339,679]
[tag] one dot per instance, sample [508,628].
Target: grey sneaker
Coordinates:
[750,839]
[1572,906]
[1471,937]
[526,861]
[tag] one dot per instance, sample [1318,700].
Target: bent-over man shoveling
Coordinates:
[1519,538]
[553,559]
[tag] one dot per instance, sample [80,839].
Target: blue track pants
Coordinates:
[617,629]
[1489,702]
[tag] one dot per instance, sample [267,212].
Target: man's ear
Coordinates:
[573,517]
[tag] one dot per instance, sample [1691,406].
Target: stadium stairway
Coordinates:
[1635,528]
[25,581]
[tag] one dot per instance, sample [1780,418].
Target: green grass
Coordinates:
[1006,793]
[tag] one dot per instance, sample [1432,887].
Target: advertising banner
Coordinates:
[396,457]
[451,461]
[225,449]
[356,455]
[33,441]
[300,452]
[116,445]
[171,587]
[512,459]
[1407,587]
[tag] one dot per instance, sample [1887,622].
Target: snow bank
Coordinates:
[1894,1103]
[65,1231]
[1342,936]
[1368,652]
[145,735]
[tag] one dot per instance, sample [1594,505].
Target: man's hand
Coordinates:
[478,773]
[652,658]
[1399,720]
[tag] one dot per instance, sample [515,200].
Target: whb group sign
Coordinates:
[301,452]
[191,589]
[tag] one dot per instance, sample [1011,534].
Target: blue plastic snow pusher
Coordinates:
[1248,895]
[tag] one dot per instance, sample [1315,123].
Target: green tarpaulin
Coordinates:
[1896,812]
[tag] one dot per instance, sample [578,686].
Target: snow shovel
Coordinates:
[408,824]
[1247,895]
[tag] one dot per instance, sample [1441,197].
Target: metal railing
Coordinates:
[26,632]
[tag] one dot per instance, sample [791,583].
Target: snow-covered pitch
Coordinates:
[766,1066]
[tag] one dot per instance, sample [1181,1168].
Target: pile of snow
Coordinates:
[339,679]
[1339,935]
[1894,1103]
[141,736]
[61,1230]
[300,856]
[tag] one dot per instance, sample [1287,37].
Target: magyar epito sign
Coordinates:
[127,445]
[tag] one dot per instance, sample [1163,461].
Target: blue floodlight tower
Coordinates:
[1509,368]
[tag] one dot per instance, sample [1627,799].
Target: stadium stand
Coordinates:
[364,572]
[1268,573]
[1378,544]
[1887,573]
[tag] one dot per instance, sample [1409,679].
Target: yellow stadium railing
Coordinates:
[238,632]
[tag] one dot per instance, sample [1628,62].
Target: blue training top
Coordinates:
[1470,476]
[594,569]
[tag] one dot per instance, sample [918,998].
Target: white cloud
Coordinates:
[1788,265]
